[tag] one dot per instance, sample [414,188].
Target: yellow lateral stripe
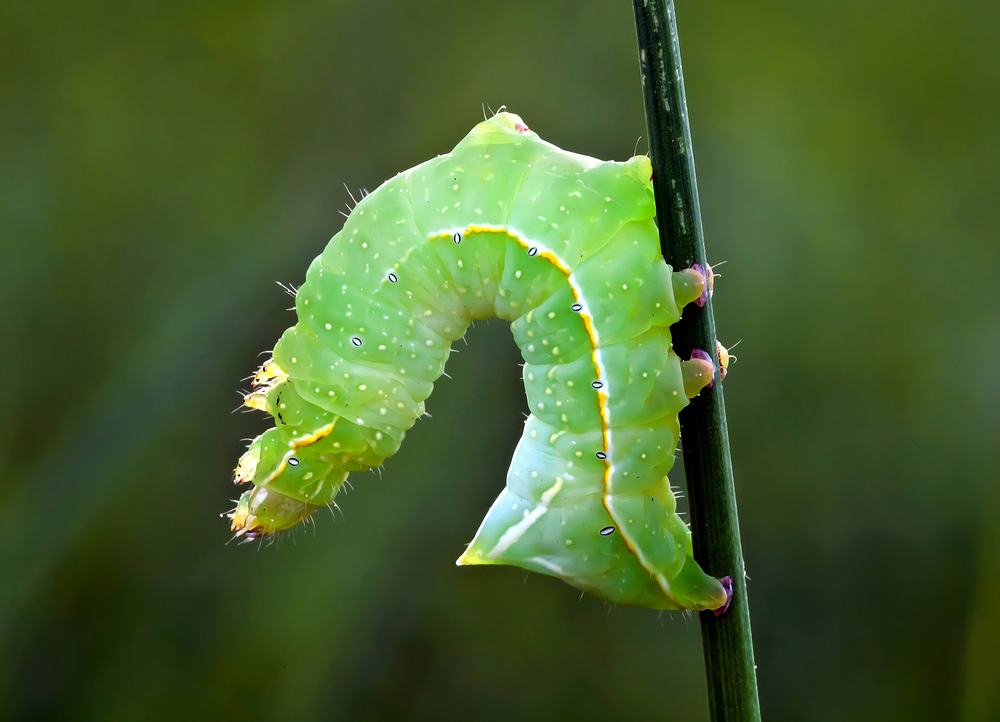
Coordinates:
[312,438]
[602,398]
[295,444]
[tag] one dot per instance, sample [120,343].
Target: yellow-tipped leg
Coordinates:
[269,374]
[247,465]
[256,400]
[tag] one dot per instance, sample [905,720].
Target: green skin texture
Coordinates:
[539,230]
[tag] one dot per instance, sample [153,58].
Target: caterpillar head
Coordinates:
[261,512]
[264,509]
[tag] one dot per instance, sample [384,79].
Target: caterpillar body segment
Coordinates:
[565,248]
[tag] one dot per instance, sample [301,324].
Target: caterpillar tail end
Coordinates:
[262,512]
[472,557]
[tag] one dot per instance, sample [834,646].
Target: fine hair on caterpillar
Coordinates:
[565,248]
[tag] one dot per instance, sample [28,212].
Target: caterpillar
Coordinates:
[563,246]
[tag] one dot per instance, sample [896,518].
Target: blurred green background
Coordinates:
[163,164]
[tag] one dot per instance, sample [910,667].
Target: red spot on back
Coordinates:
[520,127]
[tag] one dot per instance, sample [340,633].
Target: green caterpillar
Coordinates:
[565,247]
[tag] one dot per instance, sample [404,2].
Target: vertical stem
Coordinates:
[728,644]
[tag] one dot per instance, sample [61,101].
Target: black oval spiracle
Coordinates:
[292,461]
[533,251]
[597,384]
[607,530]
[392,277]
[577,307]
[601,455]
[457,238]
[355,340]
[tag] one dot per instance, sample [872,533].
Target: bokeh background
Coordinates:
[162,164]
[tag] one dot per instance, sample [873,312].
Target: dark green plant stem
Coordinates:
[728,644]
